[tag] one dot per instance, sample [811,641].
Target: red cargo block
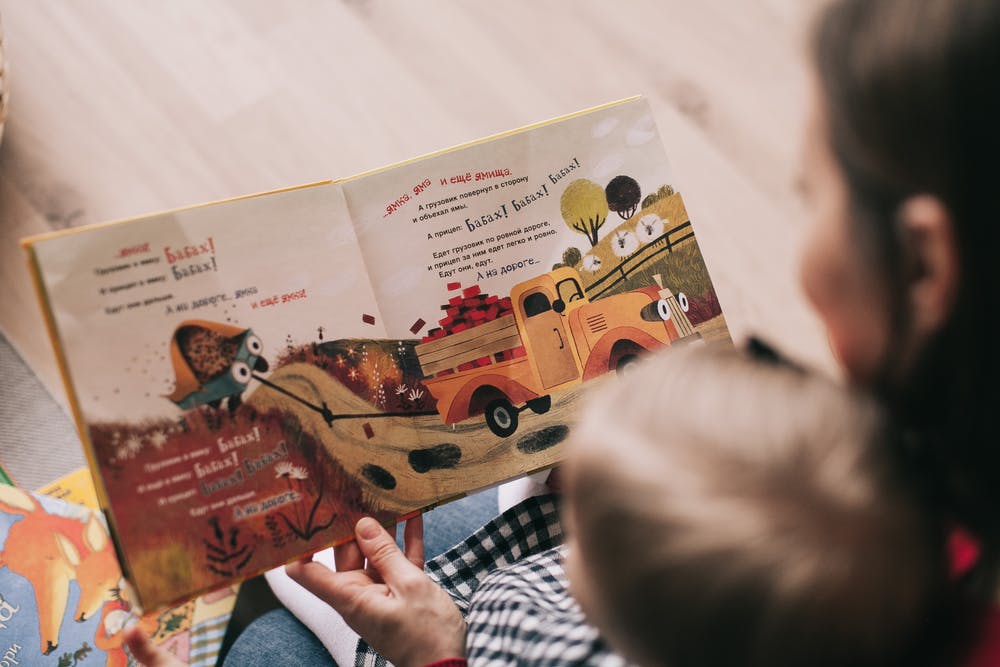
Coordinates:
[368,319]
[459,327]
[467,366]
[455,301]
[453,311]
[477,315]
[471,291]
[518,352]
[492,298]
[369,432]
[446,321]
[483,361]
[454,286]
[505,303]
[417,326]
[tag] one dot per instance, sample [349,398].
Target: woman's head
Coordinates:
[901,170]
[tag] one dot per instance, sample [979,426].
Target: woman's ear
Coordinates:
[929,236]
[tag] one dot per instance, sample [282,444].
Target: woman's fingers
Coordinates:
[340,590]
[413,540]
[409,618]
[348,557]
[379,548]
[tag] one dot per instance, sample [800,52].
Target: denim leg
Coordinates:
[277,638]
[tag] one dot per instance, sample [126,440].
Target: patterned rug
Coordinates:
[38,442]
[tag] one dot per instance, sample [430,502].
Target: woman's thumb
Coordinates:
[380,549]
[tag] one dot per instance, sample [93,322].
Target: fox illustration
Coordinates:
[50,551]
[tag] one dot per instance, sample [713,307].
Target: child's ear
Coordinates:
[929,236]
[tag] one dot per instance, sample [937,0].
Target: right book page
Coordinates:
[519,267]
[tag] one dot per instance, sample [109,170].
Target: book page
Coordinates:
[197,344]
[522,267]
[491,214]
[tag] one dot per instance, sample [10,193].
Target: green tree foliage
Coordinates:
[584,208]
[662,193]
[623,196]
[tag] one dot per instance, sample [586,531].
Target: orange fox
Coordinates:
[50,551]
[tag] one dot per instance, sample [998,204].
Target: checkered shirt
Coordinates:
[507,579]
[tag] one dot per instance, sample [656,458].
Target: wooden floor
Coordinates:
[123,108]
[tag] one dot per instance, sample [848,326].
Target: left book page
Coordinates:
[165,325]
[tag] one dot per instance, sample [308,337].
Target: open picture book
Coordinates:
[250,377]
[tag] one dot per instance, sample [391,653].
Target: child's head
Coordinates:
[728,510]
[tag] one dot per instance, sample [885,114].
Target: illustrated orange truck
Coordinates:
[553,339]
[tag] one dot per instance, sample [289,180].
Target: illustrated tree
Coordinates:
[623,196]
[584,207]
[663,192]
[572,256]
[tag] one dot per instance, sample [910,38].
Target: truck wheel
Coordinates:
[540,405]
[625,365]
[501,417]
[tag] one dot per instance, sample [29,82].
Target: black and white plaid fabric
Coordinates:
[507,579]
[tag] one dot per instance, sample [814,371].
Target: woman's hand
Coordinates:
[391,603]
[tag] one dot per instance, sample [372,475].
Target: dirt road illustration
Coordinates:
[409,462]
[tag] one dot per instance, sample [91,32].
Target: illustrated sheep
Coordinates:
[591,263]
[624,243]
[649,228]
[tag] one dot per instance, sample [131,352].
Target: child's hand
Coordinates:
[392,604]
[146,652]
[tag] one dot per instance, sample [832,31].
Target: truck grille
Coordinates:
[597,323]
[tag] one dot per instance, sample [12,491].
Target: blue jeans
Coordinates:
[278,638]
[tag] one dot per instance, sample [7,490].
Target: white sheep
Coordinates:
[649,228]
[624,243]
[591,263]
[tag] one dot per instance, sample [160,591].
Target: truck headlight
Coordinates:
[657,311]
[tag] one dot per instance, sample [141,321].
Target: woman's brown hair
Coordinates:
[912,100]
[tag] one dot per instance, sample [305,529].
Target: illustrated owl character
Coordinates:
[213,362]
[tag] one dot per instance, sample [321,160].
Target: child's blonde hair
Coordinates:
[730,510]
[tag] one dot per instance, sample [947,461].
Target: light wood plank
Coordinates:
[119,109]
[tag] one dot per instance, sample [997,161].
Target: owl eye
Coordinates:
[254,344]
[683,301]
[240,372]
